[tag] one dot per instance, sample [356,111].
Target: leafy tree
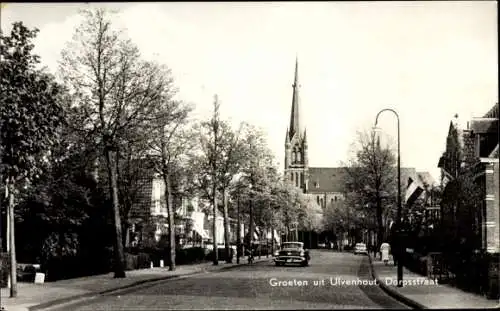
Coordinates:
[257,167]
[370,179]
[114,91]
[221,157]
[169,142]
[30,119]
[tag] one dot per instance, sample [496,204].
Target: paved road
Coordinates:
[261,286]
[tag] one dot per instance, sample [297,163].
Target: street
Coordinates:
[260,286]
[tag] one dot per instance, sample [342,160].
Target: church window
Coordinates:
[291,177]
[301,179]
[317,199]
[321,202]
[296,179]
[335,198]
[298,156]
[294,157]
[331,201]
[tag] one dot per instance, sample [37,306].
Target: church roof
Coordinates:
[332,179]
[326,179]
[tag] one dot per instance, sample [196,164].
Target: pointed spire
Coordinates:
[296,77]
[287,138]
[305,137]
[295,116]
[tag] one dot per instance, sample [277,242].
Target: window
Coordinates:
[296,179]
[335,198]
[316,184]
[298,156]
[331,201]
[321,202]
[301,179]
[317,199]
[291,177]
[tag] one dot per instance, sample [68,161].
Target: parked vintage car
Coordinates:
[293,253]
[360,248]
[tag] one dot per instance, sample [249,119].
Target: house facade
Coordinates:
[472,153]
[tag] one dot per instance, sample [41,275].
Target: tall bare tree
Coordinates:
[370,179]
[114,91]
[170,140]
[222,157]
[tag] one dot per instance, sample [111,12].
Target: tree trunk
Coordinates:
[171,218]
[227,241]
[13,263]
[119,265]
[251,226]
[216,250]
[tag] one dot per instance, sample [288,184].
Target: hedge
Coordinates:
[5,268]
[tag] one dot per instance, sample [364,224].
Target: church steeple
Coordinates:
[296,153]
[295,114]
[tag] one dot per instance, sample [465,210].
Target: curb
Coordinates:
[65,300]
[393,293]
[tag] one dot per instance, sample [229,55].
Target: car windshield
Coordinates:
[292,245]
[360,245]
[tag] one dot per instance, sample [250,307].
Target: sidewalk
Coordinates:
[39,296]
[422,293]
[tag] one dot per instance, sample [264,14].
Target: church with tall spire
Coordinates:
[323,184]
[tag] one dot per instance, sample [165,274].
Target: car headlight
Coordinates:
[302,253]
[276,253]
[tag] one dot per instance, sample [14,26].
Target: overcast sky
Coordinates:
[427,60]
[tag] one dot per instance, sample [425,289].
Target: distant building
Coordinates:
[149,216]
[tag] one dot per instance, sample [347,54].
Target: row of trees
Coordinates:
[76,147]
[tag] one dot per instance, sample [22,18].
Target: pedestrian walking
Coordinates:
[384,250]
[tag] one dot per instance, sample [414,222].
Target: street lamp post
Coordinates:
[398,220]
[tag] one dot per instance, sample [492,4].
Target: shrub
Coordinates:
[143,261]
[221,254]
[189,256]
[5,268]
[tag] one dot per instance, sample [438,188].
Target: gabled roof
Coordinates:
[426,178]
[326,179]
[483,126]
[493,112]
[406,173]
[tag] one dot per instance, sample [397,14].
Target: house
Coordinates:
[194,220]
[472,152]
